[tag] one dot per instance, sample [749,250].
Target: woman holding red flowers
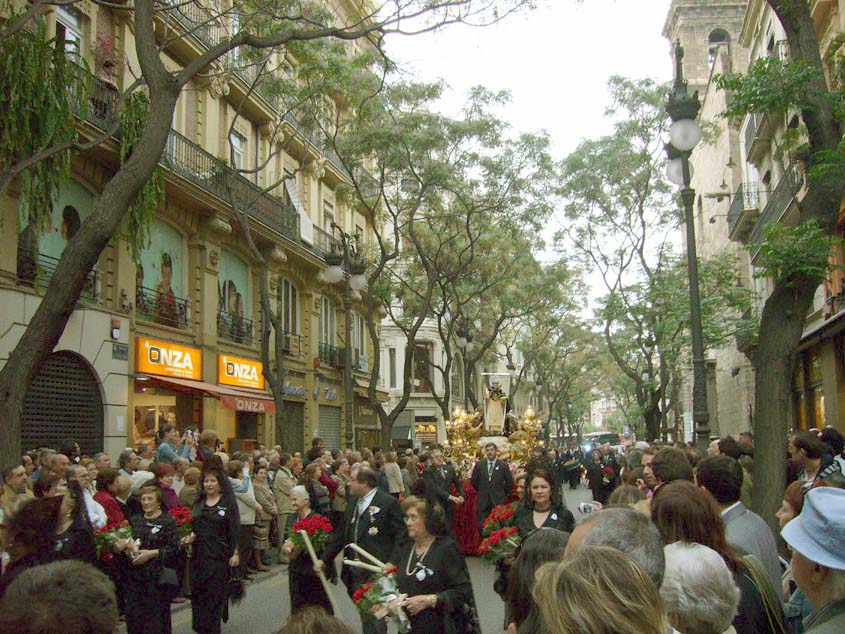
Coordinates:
[147,606]
[600,477]
[304,585]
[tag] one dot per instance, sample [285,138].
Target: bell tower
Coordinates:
[706,28]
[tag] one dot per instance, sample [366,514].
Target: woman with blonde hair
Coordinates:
[598,590]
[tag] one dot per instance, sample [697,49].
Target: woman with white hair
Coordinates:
[304,585]
[699,591]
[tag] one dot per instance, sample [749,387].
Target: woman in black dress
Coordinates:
[596,478]
[305,587]
[215,525]
[147,608]
[541,509]
[433,574]
[74,535]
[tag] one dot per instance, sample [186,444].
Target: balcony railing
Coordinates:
[324,243]
[198,20]
[162,307]
[37,270]
[235,328]
[291,343]
[743,212]
[782,196]
[329,355]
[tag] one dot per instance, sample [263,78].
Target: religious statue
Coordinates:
[495,401]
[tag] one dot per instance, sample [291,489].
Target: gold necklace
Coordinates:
[408,569]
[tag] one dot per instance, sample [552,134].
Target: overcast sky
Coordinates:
[555,61]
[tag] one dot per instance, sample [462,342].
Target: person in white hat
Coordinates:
[817,540]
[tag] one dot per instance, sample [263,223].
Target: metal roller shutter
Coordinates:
[330,427]
[63,402]
[293,416]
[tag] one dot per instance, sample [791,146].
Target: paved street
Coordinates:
[266,607]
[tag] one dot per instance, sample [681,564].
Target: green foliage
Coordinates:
[788,253]
[136,225]
[39,87]
[771,85]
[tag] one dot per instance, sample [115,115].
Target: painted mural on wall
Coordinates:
[40,247]
[233,299]
[159,293]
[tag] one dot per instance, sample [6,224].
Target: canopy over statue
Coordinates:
[495,401]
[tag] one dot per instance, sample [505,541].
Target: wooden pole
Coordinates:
[320,574]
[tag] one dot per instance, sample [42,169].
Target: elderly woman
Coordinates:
[216,525]
[265,498]
[700,594]
[105,496]
[596,589]
[304,585]
[147,606]
[433,574]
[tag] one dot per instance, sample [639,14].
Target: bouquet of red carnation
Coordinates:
[497,518]
[184,519]
[372,599]
[606,474]
[500,544]
[107,536]
[318,529]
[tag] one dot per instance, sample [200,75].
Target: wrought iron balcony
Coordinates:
[235,328]
[291,343]
[161,306]
[758,132]
[329,355]
[777,205]
[36,270]
[197,20]
[324,243]
[744,211]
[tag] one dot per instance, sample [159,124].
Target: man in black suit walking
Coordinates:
[439,478]
[373,520]
[493,480]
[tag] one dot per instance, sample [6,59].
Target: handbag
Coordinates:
[168,582]
[774,612]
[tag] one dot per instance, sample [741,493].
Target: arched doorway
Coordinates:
[63,402]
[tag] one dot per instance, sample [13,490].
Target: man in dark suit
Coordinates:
[374,521]
[439,478]
[493,480]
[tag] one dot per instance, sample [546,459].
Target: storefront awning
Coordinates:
[230,397]
[362,389]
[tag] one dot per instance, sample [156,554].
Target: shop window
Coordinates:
[159,279]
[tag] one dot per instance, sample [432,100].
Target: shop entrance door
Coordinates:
[63,402]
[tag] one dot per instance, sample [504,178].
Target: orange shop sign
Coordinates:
[165,358]
[240,372]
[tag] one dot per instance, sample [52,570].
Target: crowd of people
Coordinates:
[668,545]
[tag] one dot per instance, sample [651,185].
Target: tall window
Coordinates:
[328,323]
[238,142]
[392,354]
[69,30]
[359,335]
[328,216]
[289,306]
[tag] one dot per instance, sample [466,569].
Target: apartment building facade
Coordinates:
[174,337]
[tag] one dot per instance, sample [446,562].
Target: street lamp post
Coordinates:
[684,135]
[349,265]
[464,341]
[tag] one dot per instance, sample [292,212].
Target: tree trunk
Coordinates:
[78,259]
[774,359]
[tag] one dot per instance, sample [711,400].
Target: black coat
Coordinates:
[304,585]
[378,530]
[493,489]
[439,486]
[559,518]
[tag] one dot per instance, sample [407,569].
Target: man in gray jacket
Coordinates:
[721,476]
